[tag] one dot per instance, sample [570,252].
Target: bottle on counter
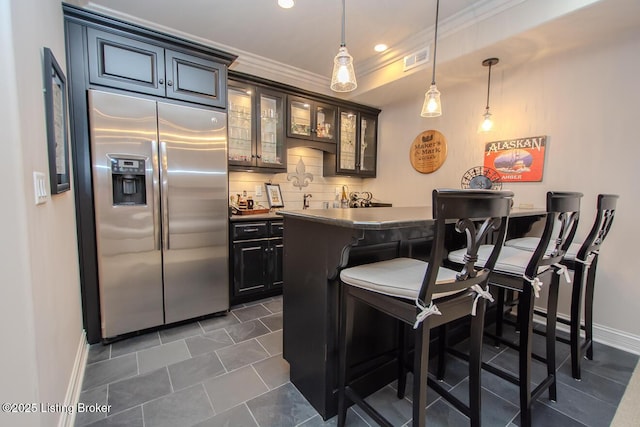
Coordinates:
[336,202]
[344,200]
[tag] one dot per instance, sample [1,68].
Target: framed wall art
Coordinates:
[517,160]
[55,102]
[274,195]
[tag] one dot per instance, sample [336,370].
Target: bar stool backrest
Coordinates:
[606,210]
[563,208]
[476,213]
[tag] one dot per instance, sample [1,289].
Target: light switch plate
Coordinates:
[40,188]
[258,190]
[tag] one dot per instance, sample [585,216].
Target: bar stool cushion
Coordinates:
[511,260]
[530,244]
[398,277]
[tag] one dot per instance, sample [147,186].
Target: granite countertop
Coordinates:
[380,218]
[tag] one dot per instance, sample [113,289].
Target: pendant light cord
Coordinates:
[435,44]
[342,44]
[488,86]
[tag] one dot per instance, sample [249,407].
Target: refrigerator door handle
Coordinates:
[164,194]
[156,197]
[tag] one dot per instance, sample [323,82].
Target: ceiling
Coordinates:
[297,45]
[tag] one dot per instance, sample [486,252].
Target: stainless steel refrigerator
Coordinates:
[160,191]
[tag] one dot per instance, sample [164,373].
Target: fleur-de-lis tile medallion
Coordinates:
[301,177]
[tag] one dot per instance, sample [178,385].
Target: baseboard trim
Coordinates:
[67,419]
[604,335]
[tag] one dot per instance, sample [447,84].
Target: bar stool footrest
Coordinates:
[355,398]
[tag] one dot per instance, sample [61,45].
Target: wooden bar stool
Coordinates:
[582,259]
[526,272]
[426,295]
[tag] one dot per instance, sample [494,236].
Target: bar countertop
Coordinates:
[380,218]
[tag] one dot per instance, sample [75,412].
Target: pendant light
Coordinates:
[343,78]
[432,106]
[487,123]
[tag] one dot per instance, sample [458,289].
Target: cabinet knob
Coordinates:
[161,81]
[258,156]
[169,83]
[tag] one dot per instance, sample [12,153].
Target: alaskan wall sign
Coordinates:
[428,151]
[517,160]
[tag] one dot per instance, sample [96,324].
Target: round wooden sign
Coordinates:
[428,151]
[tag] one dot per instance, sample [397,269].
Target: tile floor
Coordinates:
[229,371]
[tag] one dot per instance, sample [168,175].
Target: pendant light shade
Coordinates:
[432,106]
[343,78]
[487,122]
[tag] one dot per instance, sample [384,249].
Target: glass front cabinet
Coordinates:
[255,128]
[309,119]
[356,151]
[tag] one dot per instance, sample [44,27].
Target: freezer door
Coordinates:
[193,157]
[128,232]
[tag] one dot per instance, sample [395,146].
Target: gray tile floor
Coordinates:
[229,371]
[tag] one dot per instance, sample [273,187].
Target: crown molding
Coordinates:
[246,62]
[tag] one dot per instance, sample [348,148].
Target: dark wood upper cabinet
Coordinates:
[135,65]
[195,79]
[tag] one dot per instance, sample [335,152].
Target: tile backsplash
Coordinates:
[322,189]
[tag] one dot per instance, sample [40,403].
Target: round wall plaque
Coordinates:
[428,151]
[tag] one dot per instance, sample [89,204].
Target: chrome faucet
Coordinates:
[305,202]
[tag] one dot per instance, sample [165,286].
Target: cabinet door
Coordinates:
[240,127]
[348,140]
[125,63]
[270,147]
[195,79]
[325,122]
[299,118]
[276,252]
[367,154]
[309,119]
[249,261]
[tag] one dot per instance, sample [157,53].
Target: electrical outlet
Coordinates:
[258,190]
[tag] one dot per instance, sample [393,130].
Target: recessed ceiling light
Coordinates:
[285,4]
[380,47]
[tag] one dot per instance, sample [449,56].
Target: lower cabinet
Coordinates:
[256,259]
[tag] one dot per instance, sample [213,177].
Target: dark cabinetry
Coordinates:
[111,53]
[266,118]
[134,64]
[256,259]
[310,119]
[256,128]
[356,151]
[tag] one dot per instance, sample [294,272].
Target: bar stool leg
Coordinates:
[588,309]
[525,323]
[475,365]
[552,315]
[579,280]
[499,315]
[420,364]
[403,351]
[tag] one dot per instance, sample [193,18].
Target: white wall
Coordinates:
[587,103]
[40,310]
